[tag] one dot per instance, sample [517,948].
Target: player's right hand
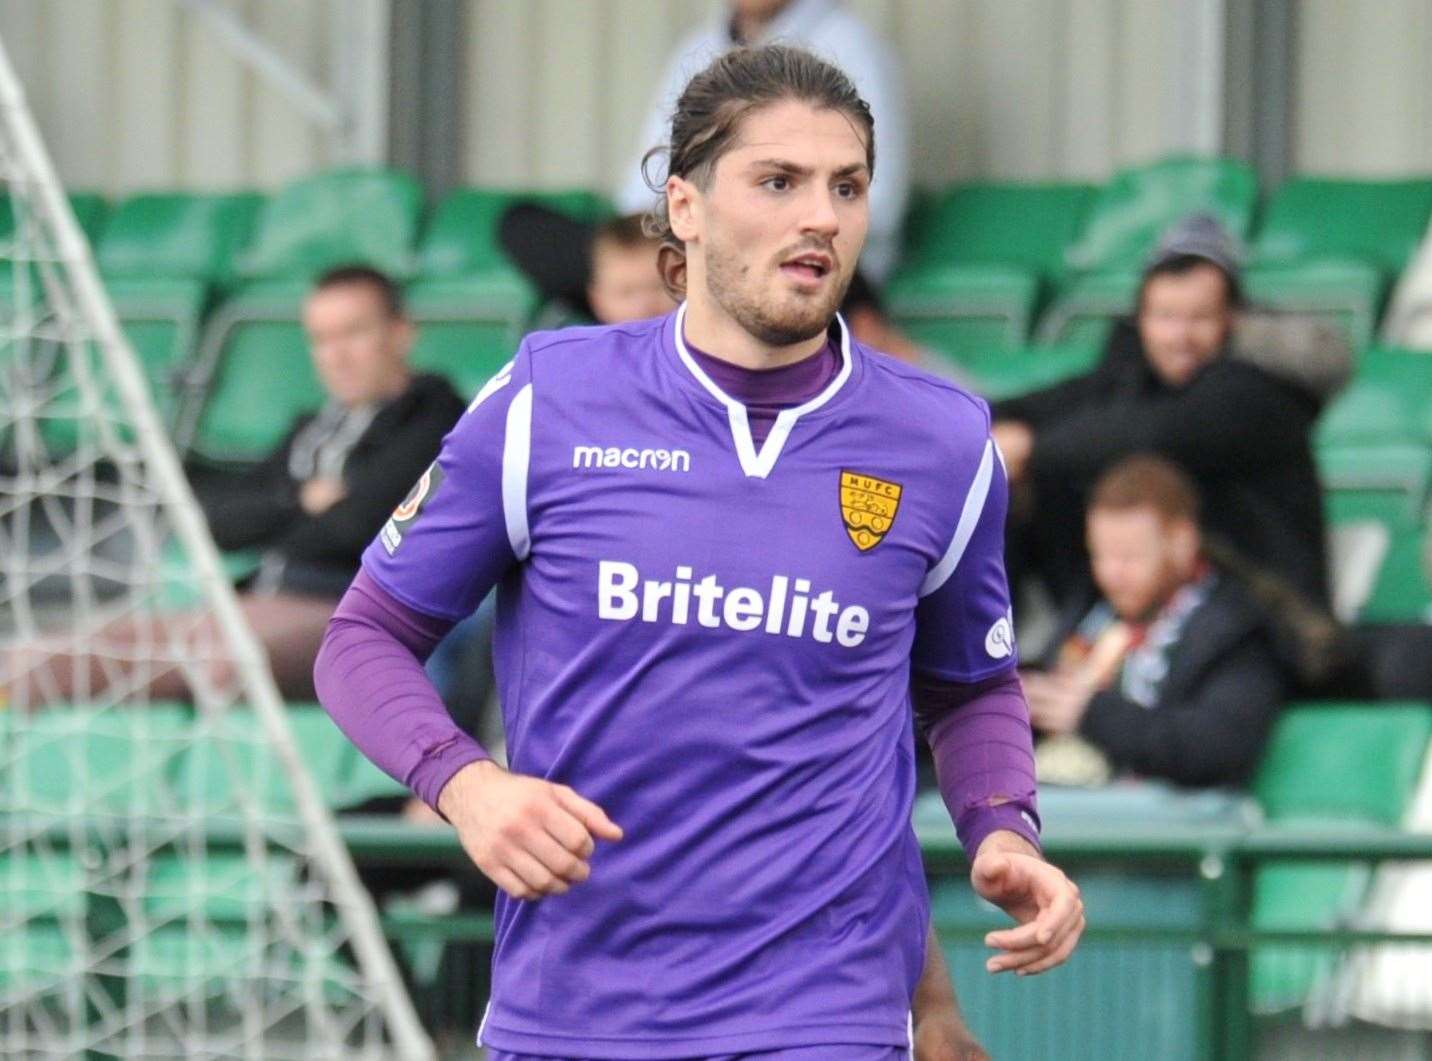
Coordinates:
[530,836]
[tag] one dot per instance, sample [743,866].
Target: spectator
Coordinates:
[605,272]
[827,28]
[313,504]
[1167,384]
[1172,674]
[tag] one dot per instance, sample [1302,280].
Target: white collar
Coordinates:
[759,465]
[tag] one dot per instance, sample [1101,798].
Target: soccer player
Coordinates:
[723,540]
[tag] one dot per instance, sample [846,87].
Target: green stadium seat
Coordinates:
[1385,481]
[342,216]
[1024,225]
[1347,763]
[1124,224]
[1388,400]
[229,758]
[42,899]
[1400,592]
[191,236]
[1343,762]
[977,259]
[998,374]
[1334,246]
[1345,292]
[471,304]
[254,375]
[36,887]
[1374,221]
[1302,896]
[94,762]
[469,325]
[90,210]
[1132,210]
[461,238]
[1087,308]
[202,913]
[962,309]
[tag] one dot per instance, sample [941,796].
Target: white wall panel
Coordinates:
[135,94]
[1364,100]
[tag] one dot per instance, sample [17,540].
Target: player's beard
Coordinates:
[776,320]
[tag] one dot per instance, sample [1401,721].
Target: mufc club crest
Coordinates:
[410,507]
[868,506]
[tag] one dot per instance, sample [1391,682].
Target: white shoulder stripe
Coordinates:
[516,454]
[965,529]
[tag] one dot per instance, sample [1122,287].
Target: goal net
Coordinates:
[171,882]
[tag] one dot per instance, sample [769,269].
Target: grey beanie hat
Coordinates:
[1199,236]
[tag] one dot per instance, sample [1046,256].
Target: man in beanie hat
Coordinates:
[1175,382]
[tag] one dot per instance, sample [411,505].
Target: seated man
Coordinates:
[312,505]
[1176,381]
[1172,674]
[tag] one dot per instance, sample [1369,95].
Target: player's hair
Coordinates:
[627,231]
[714,103]
[358,274]
[1147,481]
[1185,263]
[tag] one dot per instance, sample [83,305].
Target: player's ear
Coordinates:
[683,208]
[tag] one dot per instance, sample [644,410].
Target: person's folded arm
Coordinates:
[374,487]
[256,507]
[1215,737]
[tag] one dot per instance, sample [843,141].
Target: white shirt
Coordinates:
[827,29]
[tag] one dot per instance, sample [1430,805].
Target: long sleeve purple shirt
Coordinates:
[713,589]
[371,677]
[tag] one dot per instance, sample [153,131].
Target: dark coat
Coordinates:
[1214,708]
[260,508]
[1242,433]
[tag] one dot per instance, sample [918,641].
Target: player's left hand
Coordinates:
[1039,896]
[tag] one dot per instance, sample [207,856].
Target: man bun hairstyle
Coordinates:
[710,110]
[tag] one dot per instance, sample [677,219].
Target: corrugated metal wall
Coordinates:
[1364,99]
[134,94]
[1010,88]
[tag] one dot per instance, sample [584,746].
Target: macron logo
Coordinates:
[661,460]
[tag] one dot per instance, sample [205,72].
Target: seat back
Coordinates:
[188,235]
[1377,221]
[1349,762]
[461,237]
[334,218]
[1027,225]
[1134,208]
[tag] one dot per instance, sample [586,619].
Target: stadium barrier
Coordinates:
[1176,962]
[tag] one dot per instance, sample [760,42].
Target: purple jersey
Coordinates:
[713,640]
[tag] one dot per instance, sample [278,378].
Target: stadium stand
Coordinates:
[208,289]
[470,303]
[1126,218]
[1327,764]
[1334,247]
[979,259]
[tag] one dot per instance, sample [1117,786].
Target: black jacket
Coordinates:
[1242,433]
[260,508]
[1214,708]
